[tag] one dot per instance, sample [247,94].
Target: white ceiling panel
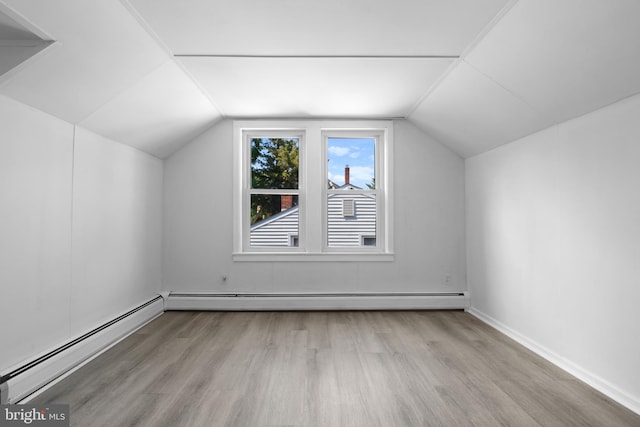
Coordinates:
[473,114]
[158,115]
[101,50]
[323,87]
[311,27]
[565,57]
[525,65]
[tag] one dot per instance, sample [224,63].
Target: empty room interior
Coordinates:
[338,212]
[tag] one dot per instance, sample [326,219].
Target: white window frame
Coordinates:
[379,192]
[312,191]
[247,191]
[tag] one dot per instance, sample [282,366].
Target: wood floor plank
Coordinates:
[390,368]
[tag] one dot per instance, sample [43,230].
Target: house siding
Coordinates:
[341,231]
[348,231]
[275,232]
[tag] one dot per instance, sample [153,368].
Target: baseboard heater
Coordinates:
[24,380]
[317,301]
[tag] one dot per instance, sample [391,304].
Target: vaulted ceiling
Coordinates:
[475,74]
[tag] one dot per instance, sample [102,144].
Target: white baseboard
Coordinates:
[582,374]
[265,302]
[35,378]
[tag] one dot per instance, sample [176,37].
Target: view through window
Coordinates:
[274,210]
[351,192]
[313,190]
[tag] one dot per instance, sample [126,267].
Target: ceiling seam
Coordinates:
[222,56]
[145,26]
[200,88]
[608,104]
[317,118]
[198,55]
[26,23]
[126,87]
[434,86]
[154,36]
[515,95]
[488,28]
[481,35]
[7,76]
[44,38]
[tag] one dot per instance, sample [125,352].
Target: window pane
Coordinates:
[368,241]
[351,219]
[274,220]
[351,163]
[274,163]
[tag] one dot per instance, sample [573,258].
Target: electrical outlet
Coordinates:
[447,279]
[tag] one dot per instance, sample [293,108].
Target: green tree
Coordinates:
[371,185]
[274,165]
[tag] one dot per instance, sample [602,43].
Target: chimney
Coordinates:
[346,175]
[286,202]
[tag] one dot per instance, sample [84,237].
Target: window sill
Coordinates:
[314,257]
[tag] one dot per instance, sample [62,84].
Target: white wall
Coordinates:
[80,230]
[36,154]
[553,223]
[429,227]
[117,228]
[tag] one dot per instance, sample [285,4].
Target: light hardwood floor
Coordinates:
[394,368]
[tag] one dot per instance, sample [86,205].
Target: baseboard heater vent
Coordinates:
[317,301]
[26,379]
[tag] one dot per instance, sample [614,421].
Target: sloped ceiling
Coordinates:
[475,74]
[108,74]
[542,63]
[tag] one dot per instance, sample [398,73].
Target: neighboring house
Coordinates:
[351,222]
[280,229]
[351,219]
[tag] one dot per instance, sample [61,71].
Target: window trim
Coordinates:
[247,190]
[379,192]
[312,208]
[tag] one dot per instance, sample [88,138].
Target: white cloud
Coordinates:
[354,155]
[358,175]
[336,177]
[338,151]
[361,175]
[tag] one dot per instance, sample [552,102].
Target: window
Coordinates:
[351,194]
[312,190]
[368,241]
[273,208]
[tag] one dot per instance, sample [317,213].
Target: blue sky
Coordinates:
[358,153]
